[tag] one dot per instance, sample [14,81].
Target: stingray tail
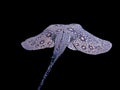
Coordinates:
[53,60]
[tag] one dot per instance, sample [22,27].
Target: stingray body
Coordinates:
[61,36]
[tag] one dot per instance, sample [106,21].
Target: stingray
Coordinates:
[61,36]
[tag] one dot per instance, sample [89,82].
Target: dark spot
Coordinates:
[90,47]
[42,46]
[42,41]
[82,38]
[49,43]
[37,45]
[31,42]
[83,47]
[77,44]
[98,47]
[37,38]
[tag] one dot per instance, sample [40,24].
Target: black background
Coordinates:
[74,69]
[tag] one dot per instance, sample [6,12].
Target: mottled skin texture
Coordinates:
[61,36]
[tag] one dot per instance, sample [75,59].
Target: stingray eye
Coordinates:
[58,30]
[48,34]
[70,29]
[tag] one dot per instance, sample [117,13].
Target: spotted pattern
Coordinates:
[61,36]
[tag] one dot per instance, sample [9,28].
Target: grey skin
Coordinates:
[61,42]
